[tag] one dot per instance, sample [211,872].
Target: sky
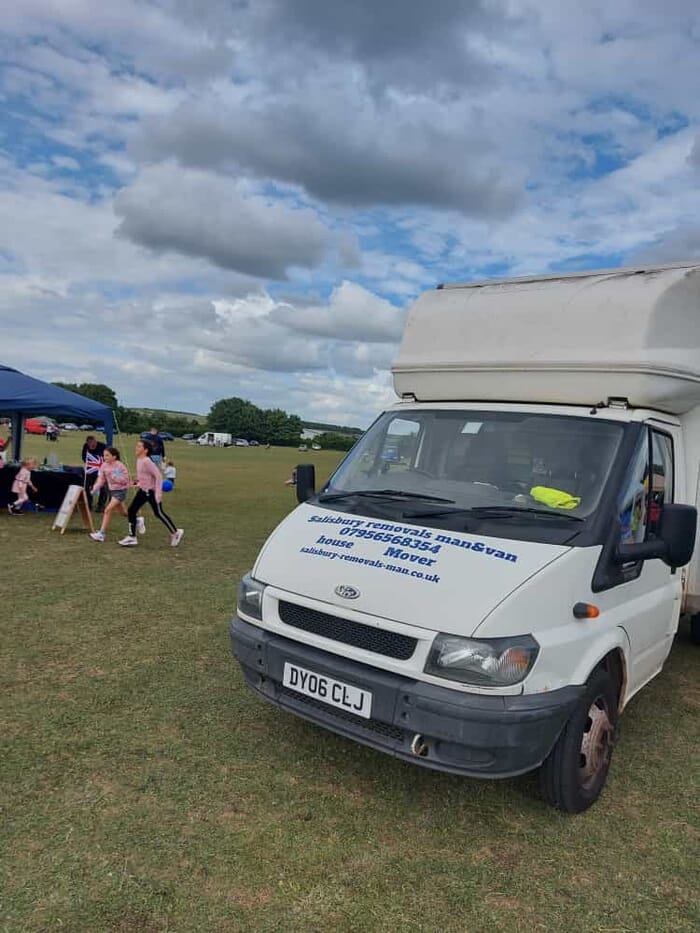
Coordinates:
[208,198]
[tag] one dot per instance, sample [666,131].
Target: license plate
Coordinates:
[330,691]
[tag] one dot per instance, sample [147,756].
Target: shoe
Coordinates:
[97,536]
[129,541]
[140,525]
[10,509]
[176,538]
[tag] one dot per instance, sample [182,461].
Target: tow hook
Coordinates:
[419,747]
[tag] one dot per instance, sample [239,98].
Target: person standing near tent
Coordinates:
[92,456]
[150,490]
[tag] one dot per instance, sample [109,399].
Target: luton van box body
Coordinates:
[501,561]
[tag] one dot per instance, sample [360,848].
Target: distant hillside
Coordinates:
[332,428]
[154,412]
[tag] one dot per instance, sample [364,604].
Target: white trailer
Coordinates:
[215,439]
[500,563]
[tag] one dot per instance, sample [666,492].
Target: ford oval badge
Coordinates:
[346,592]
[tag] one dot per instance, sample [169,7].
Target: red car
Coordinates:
[35,425]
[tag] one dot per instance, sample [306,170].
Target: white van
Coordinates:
[215,439]
[500,562]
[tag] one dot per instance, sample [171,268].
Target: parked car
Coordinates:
[87,427]
[240,442]
[69,426]
[253,443]
[188,437]
[35,425]
[163,435]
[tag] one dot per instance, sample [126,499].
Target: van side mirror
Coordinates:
[306,481]
[678,529]
[675,543]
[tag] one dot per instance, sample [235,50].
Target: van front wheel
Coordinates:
[574,774]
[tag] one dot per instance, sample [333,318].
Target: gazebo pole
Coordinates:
[17,434]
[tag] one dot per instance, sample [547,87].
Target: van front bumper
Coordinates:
[462,733]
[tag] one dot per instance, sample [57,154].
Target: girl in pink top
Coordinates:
[22,482]
[150,489]
[115,476]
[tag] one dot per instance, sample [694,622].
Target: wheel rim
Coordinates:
[596,743]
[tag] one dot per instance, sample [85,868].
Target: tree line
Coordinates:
[235,416]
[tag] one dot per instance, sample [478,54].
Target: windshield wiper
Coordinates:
[509,511]
[380,494]
[434,513]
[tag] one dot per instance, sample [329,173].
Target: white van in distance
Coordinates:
[215,439]
[500,563]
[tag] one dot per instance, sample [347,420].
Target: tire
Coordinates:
[574,774]
[695,628]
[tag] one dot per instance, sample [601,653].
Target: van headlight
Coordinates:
[250,597]
[484,662]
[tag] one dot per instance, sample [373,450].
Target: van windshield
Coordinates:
[491,463]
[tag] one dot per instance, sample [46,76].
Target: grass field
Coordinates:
[144,788]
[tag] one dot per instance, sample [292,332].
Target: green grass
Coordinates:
[144,788]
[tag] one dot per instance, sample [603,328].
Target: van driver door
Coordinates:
[651,591]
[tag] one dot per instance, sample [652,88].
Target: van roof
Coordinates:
[580,274]
[575,339]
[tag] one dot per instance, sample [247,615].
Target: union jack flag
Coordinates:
[93,462]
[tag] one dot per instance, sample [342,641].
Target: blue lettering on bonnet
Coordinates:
[418,539]
[477,546]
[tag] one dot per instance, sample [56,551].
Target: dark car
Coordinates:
[163,435]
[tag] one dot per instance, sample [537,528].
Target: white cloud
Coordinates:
[168,208]
[164,161]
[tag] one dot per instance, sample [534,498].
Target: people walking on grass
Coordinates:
[21,486]
[150,489]
[115,477]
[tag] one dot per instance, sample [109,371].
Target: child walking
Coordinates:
[115,476]
[22,482]
[150,489]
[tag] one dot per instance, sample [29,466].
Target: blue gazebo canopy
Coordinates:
[22,396]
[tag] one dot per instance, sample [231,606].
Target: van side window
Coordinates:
[649,484]
[633,501]
[662,479]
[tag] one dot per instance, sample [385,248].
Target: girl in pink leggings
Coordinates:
[150,490]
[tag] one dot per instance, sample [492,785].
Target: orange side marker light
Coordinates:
[586,611]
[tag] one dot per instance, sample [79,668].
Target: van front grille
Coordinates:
[380,641]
